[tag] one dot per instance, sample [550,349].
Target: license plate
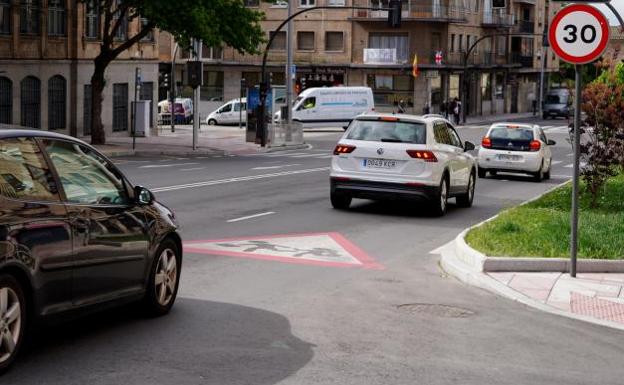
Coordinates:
[509,158]
[379,163]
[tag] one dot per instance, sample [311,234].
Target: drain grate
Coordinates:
[435,309]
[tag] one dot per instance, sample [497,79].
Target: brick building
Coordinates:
[343,46]
[46,53]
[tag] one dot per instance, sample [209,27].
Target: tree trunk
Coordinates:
[98,136]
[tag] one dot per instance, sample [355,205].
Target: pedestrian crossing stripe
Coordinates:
[321,249]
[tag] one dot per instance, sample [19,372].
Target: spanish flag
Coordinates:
[415,71]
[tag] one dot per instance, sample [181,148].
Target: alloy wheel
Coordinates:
[166,277]
[10,322]
[443,196]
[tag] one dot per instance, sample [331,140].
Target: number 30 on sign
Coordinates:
[579,34]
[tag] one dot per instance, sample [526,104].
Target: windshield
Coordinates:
[556,99]
[506,133]
[388,131]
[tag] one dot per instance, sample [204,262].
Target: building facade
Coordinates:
[46,62]
[357,47]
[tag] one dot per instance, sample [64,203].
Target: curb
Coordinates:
[286,147]
[123,153]
[493,120]
[463,262]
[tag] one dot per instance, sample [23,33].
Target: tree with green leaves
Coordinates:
[216,22]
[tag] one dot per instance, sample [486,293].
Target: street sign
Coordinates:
[579,33]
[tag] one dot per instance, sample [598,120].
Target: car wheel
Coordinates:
[482,172]
[440,203]
[538,176]
[547,173]
[162,287]
[12,319]
[212,122]
[340,201]
[493,173]
[545,116]
[465,200]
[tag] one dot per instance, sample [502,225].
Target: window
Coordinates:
[86,177]
[305,41]
[86,109]
[334,41]
[29,17]
[279,41]
[57,96]
[277,78]
[452,42]
[455,141]
[307,104]
[226,108]
[461,43]
[213,53]
[150,35]
[307,3]
[6,100]
[120,107]
[24,173]
[500,80]
[252,3]
[5,17]
[467,43]
[336,3]
[390,90]
[251,78]
[147,93]
[436,41]
[501,45]
[56,17]
[30,102]
[399,42]
[92,19]
[379,131]
[122,31]
[486,87]
[441,133]
[212,89]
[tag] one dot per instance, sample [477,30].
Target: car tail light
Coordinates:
[535,145]
[427,156]
[343,149]
[486,142]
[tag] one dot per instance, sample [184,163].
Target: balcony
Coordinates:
[497,19]
[522,59]
[415,10]
[525,26]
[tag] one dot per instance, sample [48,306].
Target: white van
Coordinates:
[331,106]
[229,113]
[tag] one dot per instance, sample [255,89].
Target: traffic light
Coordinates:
[497,4]
[165,81]
[394,14]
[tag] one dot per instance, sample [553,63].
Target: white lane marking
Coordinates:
[556,162]
[274,167]
[192,169]
[571,165]
[305,156]
[250,217]
[326,156]
[237,179]
[561,176]
[168,165]
[278,154]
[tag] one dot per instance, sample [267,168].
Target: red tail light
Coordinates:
[535,145]
[486,142]
[343,149]
[427,156]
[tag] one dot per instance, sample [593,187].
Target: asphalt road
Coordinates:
[258,321]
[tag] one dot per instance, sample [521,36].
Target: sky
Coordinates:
[618,4]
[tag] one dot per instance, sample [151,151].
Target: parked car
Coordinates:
[183,110]
[558,102]
[519,148]
[386,156]
[330,106]
[76,235]
[231,112]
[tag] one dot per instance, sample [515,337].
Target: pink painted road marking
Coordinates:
[321,249]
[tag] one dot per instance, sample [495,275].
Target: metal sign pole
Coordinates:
[575,182]
[137,81]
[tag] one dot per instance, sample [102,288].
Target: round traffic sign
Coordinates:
[579,33]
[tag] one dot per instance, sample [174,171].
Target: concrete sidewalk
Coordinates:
[481,120]
[212,140]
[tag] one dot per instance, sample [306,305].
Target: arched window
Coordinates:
[57,98]
[30,102]
[6,100]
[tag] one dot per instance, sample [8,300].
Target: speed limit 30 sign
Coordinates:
[579,34]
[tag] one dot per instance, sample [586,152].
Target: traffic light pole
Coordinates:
[394,18]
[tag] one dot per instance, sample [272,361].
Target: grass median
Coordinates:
[542,228]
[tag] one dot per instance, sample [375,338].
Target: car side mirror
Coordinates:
[143,196]
[469,146]
[551,142]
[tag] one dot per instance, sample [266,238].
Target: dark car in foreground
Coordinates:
[76,236]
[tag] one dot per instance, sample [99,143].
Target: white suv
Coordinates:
[386,156]
[513,147]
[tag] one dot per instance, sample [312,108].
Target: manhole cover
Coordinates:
[435,309]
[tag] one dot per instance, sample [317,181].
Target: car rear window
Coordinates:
[511,138]
[388,131]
